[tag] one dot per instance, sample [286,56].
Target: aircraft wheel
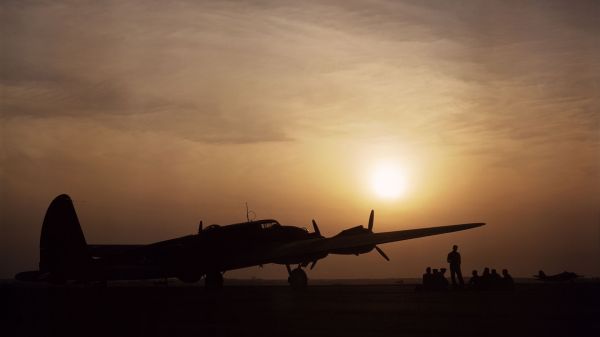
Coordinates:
[213,280]
[298,279]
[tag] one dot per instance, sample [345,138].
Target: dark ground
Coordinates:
[148,309]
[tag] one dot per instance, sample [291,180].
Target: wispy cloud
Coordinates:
[91,89]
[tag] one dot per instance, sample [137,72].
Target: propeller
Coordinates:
[318,233]
[316,228]
[382,253]
[370,227]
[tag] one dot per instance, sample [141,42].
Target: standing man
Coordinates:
[454,261]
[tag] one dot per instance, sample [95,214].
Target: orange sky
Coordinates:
[154,116]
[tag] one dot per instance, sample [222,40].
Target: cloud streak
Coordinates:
[206,96]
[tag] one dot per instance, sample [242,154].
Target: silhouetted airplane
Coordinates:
[65,255]
[561,277]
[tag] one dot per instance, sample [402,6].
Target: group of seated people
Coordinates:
[491,280]
[435,279]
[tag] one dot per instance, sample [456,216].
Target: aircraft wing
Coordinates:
[326,245]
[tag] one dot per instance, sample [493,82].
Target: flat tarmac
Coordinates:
[149,309]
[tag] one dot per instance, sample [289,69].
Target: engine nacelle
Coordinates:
[355,250]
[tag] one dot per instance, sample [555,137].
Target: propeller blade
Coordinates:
[313,264]
[316,228]
[371,220]
[382,253]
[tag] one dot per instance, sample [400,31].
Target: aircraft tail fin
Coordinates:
[63,249]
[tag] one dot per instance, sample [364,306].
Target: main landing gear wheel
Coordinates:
[298,279]
[213,280]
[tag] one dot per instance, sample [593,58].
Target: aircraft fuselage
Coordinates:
[215,249]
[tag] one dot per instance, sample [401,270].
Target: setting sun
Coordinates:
[388,181]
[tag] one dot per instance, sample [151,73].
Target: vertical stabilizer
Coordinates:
[63,250]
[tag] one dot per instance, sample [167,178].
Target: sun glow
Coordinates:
[388,181]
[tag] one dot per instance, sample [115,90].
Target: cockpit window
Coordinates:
[267,225]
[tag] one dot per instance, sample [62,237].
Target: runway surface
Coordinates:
[149,309]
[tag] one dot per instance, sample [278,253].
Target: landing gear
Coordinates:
[297,279]
[213,280]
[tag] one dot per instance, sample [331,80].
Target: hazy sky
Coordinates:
[154,115]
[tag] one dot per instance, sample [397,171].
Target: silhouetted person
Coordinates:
[475,281]
[454,261]
[495,280]
[485,280]
[507,281]
[427,278]
[436,283]
[443,280]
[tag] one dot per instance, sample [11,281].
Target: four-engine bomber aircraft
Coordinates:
[65,255]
